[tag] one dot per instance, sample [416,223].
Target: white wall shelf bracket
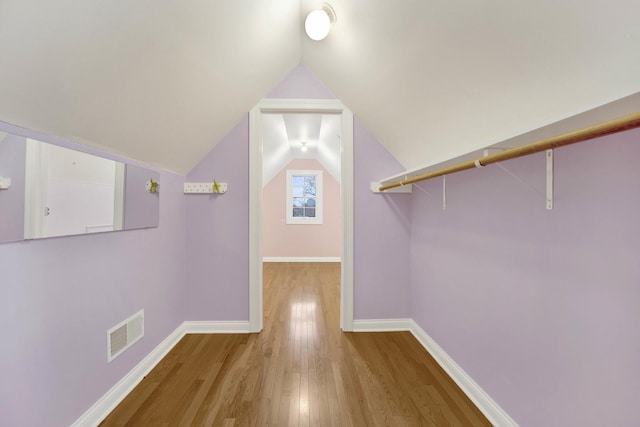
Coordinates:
[549,154]
[205,188]
[375,185]
[5,183]
[444,192]
[549,177]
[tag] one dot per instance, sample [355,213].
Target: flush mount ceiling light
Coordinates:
[304,147]
[318,22]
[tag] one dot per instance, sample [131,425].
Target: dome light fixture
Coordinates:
[304,147]
[318,22]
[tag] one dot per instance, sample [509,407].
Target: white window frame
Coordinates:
[289,204]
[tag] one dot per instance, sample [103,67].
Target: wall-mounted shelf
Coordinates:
[205,187]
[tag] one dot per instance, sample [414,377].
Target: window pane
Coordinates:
[302,196]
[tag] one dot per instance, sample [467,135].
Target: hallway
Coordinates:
[301,370]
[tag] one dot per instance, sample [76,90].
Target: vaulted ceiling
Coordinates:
[284,134]
[164,81]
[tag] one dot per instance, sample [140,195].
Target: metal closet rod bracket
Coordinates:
[404,188]
[548,172]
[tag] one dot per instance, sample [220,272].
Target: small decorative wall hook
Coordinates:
[152,186]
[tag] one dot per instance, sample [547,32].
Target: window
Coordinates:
[304,197]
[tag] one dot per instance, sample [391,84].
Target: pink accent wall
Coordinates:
[280,239]
[541,308]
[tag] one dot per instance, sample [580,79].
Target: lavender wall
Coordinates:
[540,307]
[61,295]
[218,233]
[218,226]
[382,226]
[13,154]
[140,207]
[300,83]
[280,239]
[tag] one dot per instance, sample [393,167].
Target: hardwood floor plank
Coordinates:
[301,370]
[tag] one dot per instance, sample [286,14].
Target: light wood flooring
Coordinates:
[301,370]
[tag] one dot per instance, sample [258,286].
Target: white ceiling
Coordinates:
[283,135]
[158,81]
[435,79]
[163,82]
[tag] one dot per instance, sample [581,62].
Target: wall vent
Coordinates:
[124,335]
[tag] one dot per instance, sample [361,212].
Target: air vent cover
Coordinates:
[124,335]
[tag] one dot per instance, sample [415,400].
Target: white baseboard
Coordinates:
[301,259]
[216,327]
[494,413]
[107,403]
[382,325]
[103,407]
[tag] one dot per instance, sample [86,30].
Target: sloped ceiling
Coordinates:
[157,81]
[163,82]
[283,136]
[436,79]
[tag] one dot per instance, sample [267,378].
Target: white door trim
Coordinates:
[118,206]
[283,106]
[36,185]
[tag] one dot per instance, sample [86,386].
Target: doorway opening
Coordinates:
[333,158]
[69,192]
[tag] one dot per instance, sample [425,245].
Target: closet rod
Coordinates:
[630,121]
